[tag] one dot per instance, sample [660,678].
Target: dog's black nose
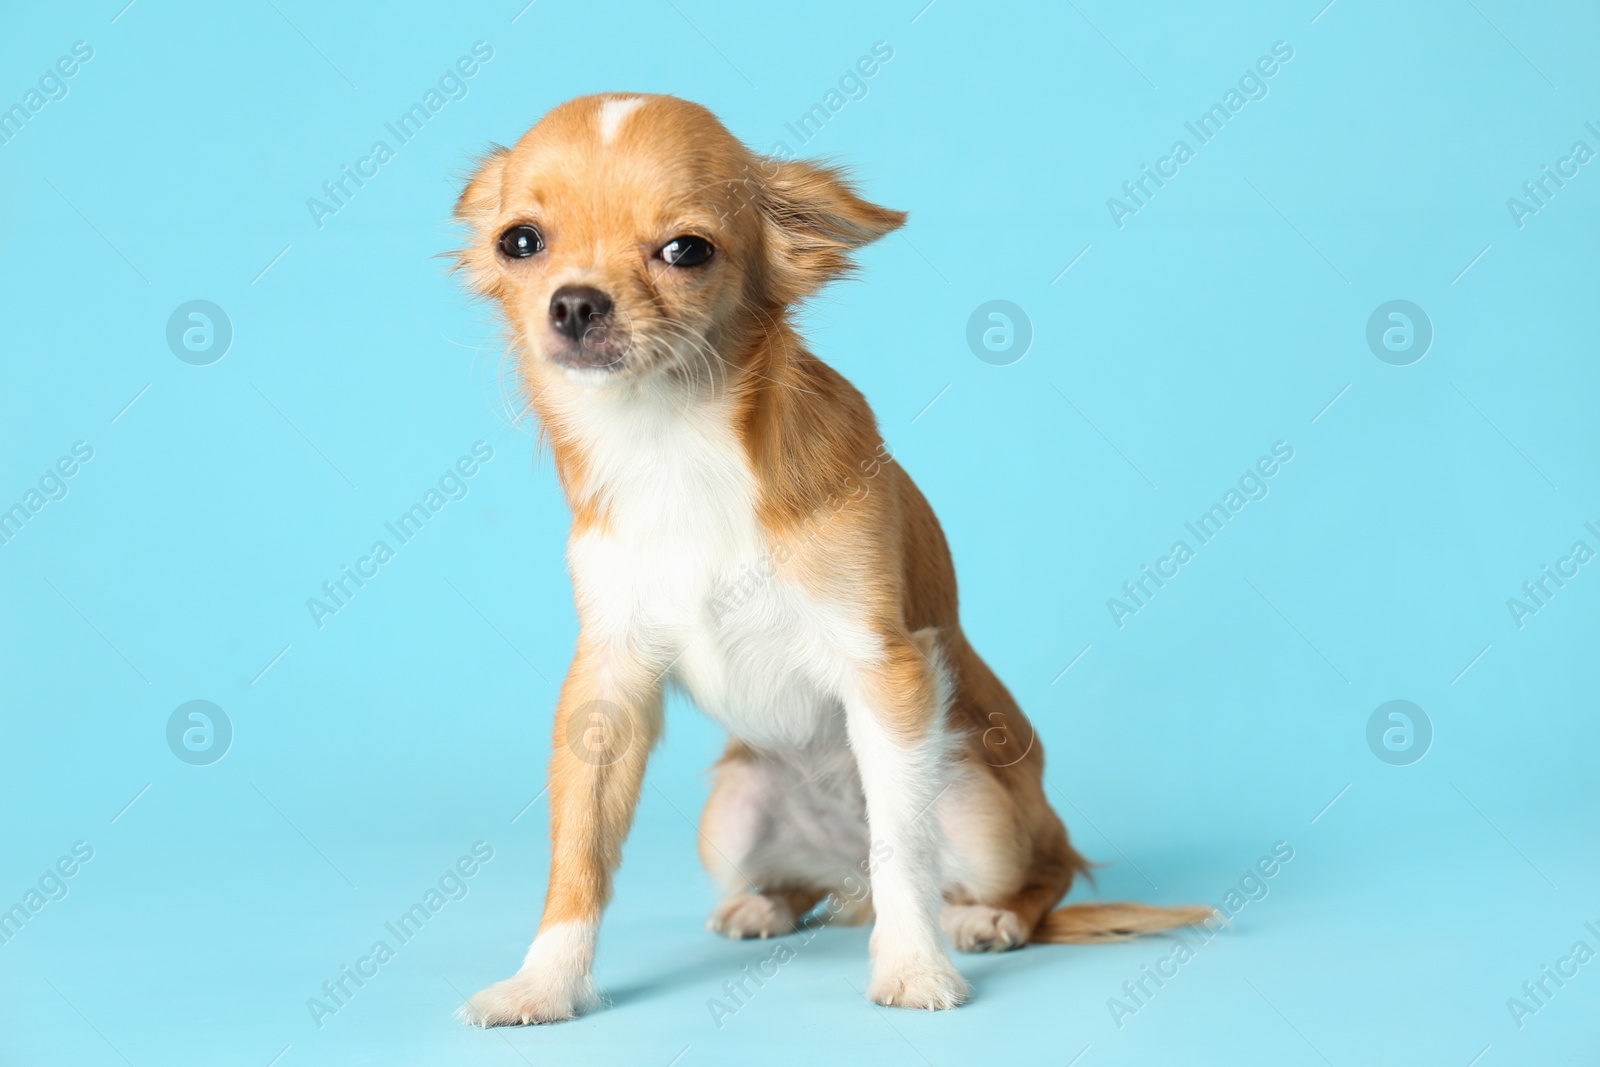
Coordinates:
[575,309]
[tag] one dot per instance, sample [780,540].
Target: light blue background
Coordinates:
[1225,316]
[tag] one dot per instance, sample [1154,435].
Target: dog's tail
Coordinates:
[1093,924]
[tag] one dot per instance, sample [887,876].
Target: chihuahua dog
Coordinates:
[740,531]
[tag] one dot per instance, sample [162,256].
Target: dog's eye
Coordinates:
[520,242]
[686,251]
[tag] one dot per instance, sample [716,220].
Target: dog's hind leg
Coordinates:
[779,835]
[1007,857]
[1000,921]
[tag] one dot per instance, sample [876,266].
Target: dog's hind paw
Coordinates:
[980,928]
[747,915]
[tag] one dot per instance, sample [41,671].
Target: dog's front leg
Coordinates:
[895,719]
[606,724]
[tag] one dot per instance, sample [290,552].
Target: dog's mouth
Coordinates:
[616,347]
[582,357]
[602,346]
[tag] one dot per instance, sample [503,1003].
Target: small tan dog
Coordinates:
[739,531]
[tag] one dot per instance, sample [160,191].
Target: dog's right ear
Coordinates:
[478,204]
[481,197]
[813,220]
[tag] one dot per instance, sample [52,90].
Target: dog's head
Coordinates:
[627,236]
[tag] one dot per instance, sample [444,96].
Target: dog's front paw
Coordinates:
[929,985]
[746,915]
[525,999]
[980,928]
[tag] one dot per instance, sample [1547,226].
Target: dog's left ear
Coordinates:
[814,219]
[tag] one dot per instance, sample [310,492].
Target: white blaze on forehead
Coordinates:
[613,113]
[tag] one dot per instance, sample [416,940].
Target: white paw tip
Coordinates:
[933,986]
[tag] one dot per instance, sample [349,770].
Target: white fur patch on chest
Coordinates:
[682,567]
